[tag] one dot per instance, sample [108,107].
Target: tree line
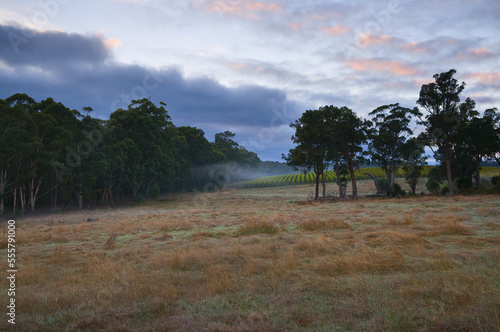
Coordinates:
[53,156]
[458,136]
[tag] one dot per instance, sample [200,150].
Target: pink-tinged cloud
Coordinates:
[391,66]
[485,77]
[295,26]
[478,53]
[112,43]
[244,8]
[415,47]
[335,30]
[366,40]
[237,65]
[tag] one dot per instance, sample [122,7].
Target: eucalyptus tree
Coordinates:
[445,115]
[346,134]
[17,134]
[389,132]
[312,139]
[143,139]
[199,156]
[414,159]
[479,139]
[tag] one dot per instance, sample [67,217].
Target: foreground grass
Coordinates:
[254,259]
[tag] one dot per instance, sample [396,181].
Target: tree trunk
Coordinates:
[32,195]
[323,181]
[478,178]
[80,200]
[353,177]
[22,199]
[413,184]
[448,175]
[14,192]
[316,195]
[54,196]
[379,190]
[339,181]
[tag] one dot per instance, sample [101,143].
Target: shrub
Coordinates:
[444,190]
[432,186]
[435,173]
[495,180]
[138,198]
[464,185]
[154,192]
[396,190]
[383,186]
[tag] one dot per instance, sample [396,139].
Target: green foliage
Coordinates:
[154,192]
[495,180]
[436,174]
[50,154]
[445,117]
[463,184]
[139,198]
[444,190]
[312,141]
[433,186]
[388,135]
[233,152]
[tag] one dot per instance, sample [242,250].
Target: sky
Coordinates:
[248,66]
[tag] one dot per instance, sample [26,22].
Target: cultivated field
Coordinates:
[262,260]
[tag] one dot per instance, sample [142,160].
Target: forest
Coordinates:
[57,158]
[54,157]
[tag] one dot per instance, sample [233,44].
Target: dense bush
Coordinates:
[495,180]
[432,186]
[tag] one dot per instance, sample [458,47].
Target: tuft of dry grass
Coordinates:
[452,227]
[253,227]
[110,242]
[406,220]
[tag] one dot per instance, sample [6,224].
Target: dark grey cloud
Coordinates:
[21,46]
[78,71]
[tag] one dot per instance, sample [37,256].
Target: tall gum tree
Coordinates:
[387,138]
[346,134]
[445,115]
[313,144]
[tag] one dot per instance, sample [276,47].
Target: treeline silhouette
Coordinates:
[55,157]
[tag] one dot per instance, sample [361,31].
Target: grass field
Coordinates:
[262,260]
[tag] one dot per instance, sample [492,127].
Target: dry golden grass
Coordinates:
[318,224]
[254,260]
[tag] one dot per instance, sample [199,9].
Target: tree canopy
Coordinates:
[53,156]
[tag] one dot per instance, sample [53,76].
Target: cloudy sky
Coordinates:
[248,66]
